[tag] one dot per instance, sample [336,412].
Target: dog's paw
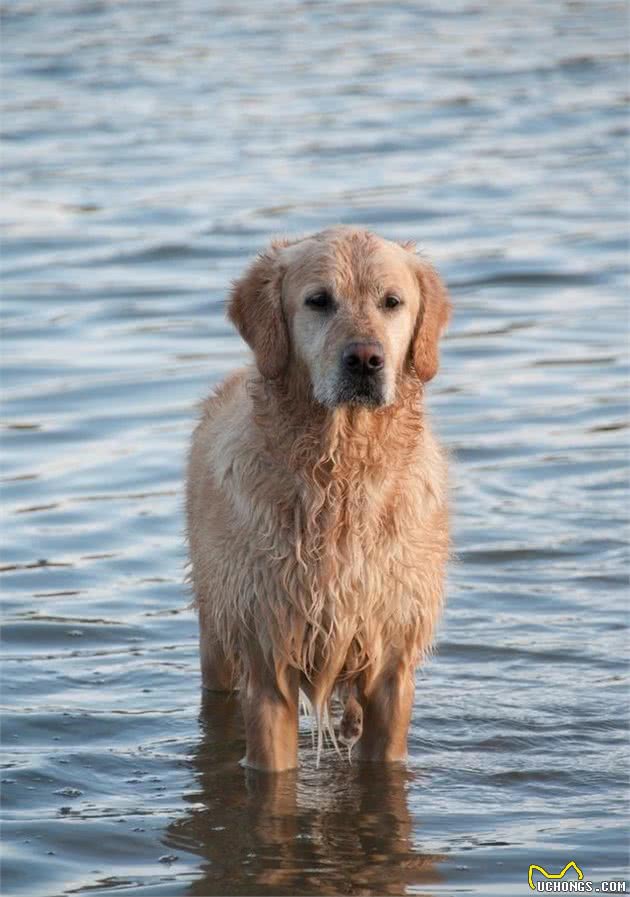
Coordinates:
[351,725]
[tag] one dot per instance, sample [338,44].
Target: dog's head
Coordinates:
[351,311]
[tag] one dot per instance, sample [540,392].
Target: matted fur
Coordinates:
[318,534]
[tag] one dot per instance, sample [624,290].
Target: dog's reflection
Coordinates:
[339,829]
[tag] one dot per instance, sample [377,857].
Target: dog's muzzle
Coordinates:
[362,373]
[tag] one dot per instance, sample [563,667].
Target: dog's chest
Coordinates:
[345,541]
[331,537]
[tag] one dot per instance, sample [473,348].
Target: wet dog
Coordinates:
[317,494]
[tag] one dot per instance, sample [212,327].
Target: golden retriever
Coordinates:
[317,495]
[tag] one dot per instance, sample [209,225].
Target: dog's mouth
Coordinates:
[366,391]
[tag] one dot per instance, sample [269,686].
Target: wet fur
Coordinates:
[318,535]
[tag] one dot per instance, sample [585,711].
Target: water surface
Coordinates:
[149,150]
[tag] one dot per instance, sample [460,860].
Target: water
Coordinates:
[150,150]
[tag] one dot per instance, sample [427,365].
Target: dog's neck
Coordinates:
[346,442]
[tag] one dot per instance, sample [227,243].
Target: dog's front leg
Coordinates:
[217,672]
[387,702]
[270,709]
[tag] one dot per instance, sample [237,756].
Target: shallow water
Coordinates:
[147,154]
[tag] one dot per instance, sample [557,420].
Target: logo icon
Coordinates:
[554,875]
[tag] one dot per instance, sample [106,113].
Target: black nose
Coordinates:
[363,358]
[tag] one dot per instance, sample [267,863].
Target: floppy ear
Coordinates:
[255,308]
[434,315]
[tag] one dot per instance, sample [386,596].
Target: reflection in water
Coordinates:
[339,829]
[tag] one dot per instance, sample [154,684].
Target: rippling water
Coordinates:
[149,150]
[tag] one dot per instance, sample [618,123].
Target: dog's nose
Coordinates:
[364,358]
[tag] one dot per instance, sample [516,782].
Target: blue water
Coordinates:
[149,150]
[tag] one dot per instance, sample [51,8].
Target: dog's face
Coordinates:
[355,312]
[351,305]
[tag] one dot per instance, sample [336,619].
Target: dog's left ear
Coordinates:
[433,317]
[255,308]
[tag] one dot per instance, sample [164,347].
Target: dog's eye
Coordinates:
[321,299]
[392,301]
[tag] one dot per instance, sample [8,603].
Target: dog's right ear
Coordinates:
[255,308]
[434,315]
